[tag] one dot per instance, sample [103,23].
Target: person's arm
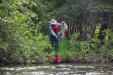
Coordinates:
[52,32]
[59,24]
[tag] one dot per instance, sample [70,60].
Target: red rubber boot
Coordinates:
[58,59]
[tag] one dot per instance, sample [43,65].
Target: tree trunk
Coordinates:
[80,30]
[94,19]
[69,29]
[104,26]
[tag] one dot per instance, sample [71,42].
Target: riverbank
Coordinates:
[75,61]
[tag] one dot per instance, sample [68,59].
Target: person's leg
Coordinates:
[52,40]
[56,44]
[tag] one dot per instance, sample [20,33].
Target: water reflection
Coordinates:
[62,69]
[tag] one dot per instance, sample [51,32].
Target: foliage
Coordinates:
[92,51]
[20,37]
[24,33]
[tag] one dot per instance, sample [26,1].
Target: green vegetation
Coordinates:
[24,32]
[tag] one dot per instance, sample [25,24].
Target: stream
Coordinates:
[60,69]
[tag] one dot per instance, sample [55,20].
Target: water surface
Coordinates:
[61,69]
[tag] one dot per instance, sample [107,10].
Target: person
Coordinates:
[64,29]
[54,33]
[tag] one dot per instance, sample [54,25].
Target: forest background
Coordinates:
[24,32]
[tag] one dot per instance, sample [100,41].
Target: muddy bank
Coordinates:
[53,61]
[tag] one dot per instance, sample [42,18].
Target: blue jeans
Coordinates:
[53,40]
